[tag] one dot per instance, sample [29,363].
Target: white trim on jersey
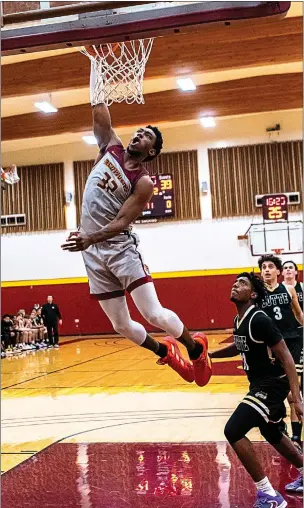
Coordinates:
[257,408]
[284,284]
[238,323]
[297,281]
[257,401]
[249,327]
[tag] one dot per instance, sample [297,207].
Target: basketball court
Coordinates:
[97,423]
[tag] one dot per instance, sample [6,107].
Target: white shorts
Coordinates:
[115,266]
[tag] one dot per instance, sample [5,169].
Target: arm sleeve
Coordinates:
[263,329]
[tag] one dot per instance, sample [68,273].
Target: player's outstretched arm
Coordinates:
[129,211]
[226,352]
[282,352]
[298,313]
[102,126]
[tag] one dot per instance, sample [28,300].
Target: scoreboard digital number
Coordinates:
[275,207]
[162,201]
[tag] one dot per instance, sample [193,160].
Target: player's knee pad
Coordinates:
[157,318]
[131,330]
[272,433]
[166,320]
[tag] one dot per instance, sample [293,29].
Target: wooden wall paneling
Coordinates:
[40,196]
[242,96]
[239,173]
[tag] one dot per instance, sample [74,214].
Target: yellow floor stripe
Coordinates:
[157,275]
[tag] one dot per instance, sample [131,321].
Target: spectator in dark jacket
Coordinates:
[51,317]
[7,332]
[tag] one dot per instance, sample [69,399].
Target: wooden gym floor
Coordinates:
[105,397]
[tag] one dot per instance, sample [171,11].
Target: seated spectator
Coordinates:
[23,331]
[38,329]
[32,332]
[41,321]
[8,336]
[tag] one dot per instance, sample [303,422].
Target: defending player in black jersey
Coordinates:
[270,378]
[282,306]
[290,276]
[281,302]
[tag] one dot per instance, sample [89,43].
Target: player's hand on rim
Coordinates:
[77,241]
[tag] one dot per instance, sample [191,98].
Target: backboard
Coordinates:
[267,238]
[97,22]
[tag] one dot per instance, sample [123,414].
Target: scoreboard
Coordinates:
[275,207]
[162,201]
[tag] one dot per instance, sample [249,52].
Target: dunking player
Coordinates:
[270,381]
[290,275]
[282,306]
[116,192]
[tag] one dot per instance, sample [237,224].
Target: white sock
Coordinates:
[265,486]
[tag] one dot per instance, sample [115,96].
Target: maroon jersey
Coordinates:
[107,188]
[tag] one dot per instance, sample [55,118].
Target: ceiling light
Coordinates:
[186,84]
[46,107]
[207,121]
[90,140]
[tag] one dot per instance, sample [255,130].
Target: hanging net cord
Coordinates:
[119,70]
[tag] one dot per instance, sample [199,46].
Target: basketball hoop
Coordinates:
[119,70]
[277,252]
[9,176]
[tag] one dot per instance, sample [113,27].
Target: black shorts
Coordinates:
[267,397]
[295,347]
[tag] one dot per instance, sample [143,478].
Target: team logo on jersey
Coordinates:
[277,299]
[240,342]
[261,395]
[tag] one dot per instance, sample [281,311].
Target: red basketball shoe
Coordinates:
[175,360]
[202,366]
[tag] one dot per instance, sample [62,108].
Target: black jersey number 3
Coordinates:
[277,313]
[107,183]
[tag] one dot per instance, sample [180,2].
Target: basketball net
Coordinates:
[119,70]
[10,175]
